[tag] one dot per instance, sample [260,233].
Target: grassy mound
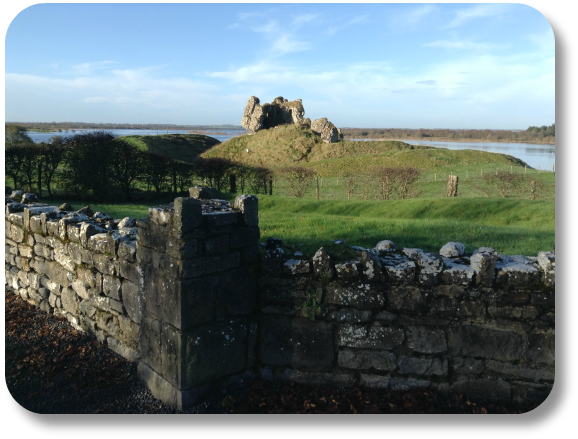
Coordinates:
[184,147]
[290,144]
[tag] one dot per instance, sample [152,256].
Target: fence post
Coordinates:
[317,188]
[452,187]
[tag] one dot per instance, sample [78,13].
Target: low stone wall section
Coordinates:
[192,296]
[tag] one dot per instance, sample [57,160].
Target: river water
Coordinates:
[537,156]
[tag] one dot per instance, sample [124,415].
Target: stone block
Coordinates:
[153,237]
[372,337]
[430,268]
[133,300]
[160,217]
[406,298]
[363,295]
[443,306]
[248,205]
[319,378]
[188,215]
[278,291]
[541,346]
[367,359]
[35,224]
[208,265]
[217,244]
[451,291]
[347,270]
[296,266]
[371,268]
[547,262]
[127,250]
[212,352]
[545,299]
[103,263]
[58,274]
[150,341]
[244,236]
[484,266]
[404,384]
[70,301]
[513,312]
[16,233]
[63,259]
[236,291]
[475,309]
[215,220]
[350,315]
[128,331]
[519,372]
[111,286]
[467,366]
[130,271]
[298,342]
[123,350]
[458,274]
[25,251]
[517,275]
[422,366]
[426,340]
[374,381]
[487,342]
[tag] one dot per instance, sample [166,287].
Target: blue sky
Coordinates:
[371,65]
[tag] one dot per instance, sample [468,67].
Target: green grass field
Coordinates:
[510,226]
[184,147]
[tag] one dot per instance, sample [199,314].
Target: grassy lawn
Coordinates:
[510,226]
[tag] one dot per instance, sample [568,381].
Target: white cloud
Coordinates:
[484,10]
[87,68]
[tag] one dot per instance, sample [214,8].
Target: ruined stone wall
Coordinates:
[481,324]
[80,265]
[191,294]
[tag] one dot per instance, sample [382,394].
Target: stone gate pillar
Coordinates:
[198,283]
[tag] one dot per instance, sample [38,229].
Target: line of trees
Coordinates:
[532,134]
[100,167]
[66,126]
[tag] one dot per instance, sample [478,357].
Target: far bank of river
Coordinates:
[447,139]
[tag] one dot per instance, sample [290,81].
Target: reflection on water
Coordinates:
[536,156]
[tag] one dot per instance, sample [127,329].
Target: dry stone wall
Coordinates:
[191,294]
[481,324]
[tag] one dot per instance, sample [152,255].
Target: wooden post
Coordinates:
[317,188]
[270,185]
[552,167]
[452,187]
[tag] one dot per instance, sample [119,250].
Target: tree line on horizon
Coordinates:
[532,134]
[49,127]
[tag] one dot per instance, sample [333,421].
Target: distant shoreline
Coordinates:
[443,139]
